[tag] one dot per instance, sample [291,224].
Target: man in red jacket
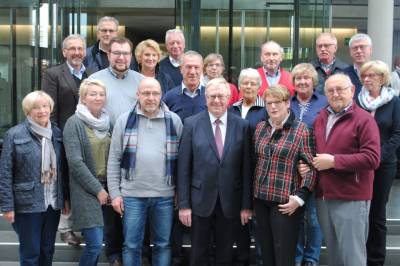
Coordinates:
[271,72]
[348,151]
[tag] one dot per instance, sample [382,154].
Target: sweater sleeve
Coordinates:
[79,171]
[115,156]
[369,152]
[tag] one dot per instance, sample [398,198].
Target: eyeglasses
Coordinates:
[75,49]
[325,45]
[95,94]
[107,30]
[338,90]
[217,96]
[362,47]
[249,83]
[270,103]
[151,93]
[370,75]
[40,107]
[119,53]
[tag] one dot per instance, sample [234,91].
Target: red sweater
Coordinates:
[285,79]
[355,143]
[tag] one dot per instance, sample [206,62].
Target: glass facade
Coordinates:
[31,32]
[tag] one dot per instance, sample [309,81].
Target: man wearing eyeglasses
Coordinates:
[327,63]
[360,46]
[120,80]
[122,86]
[96,55]
[62,84]
[347,153]
[214,176]
[141,173]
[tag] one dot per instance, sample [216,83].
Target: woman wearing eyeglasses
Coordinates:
[379,99]
[279,190]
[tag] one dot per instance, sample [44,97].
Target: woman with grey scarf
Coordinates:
[379,99]
[32,171]
[87,141]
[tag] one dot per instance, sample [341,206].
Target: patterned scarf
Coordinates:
[371,104]
[128,161]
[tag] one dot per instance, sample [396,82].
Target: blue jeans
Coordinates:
[36,234]
[93,239]
[159,210]
[310,240]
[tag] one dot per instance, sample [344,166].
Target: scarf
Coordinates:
[100,126]
[371,104]
[49,160]
[128,161]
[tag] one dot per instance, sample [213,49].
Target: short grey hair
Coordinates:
[73,37]
[174,31]
[107,18]
[267,43]
[191,53]
[249,73]
[360,37]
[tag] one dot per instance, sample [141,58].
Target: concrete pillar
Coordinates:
[380,29]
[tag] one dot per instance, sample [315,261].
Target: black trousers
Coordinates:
[223,230]
[242,233]
[376,244]
[277,233]
[113,234]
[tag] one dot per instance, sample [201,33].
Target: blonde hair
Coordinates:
[305,68]
[149,43]
[83,89]
[379,67]
[28,103]
[277,91]
[211,58]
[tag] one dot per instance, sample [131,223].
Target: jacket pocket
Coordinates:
[22,145]
[196,184]
[23,193]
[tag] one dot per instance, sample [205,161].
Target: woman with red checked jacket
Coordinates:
[280,143]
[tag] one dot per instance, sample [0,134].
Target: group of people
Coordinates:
[133,151]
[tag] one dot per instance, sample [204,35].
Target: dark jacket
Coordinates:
[163,78]
[203,177]
[255,114]
[338,67]
[59,83]
[21,189]
[349,71]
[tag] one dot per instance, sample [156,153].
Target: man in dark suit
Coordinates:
[62,84]
[214,176]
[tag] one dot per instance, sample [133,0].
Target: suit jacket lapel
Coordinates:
[70,81]
[209,132]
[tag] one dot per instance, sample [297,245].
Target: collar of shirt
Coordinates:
[189,93]
[259,102]
[276,73]
[118,75]
[204,80]
[331,111]
[76,73]
[102,49]
[281,125]
[175,63]
[327,67]
[222,125]
[273,79]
